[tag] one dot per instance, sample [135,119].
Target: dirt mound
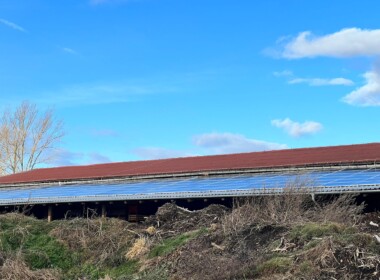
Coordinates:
[198,259]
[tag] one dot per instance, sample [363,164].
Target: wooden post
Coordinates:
[104,211]
[50,213]
[84,214]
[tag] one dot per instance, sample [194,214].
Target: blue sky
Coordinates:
[145,79]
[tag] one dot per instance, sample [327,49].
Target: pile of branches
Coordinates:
[174,219]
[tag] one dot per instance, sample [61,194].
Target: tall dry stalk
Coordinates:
[293,206]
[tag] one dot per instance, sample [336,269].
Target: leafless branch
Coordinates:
[27,138]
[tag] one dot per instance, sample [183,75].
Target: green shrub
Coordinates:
[84,271]
[309,231]
[170,244]
[274,265]
[124,270]
[156,273]
[307,270]
[43,251]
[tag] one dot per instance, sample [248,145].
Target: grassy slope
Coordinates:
[209,244]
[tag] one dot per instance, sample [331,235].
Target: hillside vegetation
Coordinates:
[271,237]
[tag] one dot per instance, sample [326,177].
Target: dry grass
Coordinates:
[292,207]
[151,230]
[14,268]
[285,209]
[323,254]
[101,239]
[139,248]
[343,209]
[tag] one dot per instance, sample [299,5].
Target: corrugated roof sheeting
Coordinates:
[197,187]
[351,154]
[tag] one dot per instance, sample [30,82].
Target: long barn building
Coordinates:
[134,189]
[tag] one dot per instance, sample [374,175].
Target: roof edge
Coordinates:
[296,168]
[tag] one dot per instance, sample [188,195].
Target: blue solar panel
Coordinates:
[232,185]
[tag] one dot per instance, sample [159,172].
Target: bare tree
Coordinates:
[27,138]
[2,153]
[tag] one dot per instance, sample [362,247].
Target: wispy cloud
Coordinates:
[284,73]
[69,50]
[211,144]
[159,153]
[65,157]
[102,93]
[94,158]
[226,143]
[293,79]
[104,133]
[347,42]
[98,2]
[101,2]
[296,129]
[368,94]
[322,82]
[116,91]
[12,25]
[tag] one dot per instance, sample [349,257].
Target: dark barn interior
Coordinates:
[138,210]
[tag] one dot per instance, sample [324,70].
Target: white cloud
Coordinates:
[348,42]
[368,94]
[159,153]
[322,82]
[12,25]
[296,129]
[226,143]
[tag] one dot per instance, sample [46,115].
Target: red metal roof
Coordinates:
[351,154]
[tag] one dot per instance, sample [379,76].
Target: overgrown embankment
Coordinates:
[281,237]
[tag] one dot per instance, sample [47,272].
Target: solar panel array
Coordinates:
[341,181]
